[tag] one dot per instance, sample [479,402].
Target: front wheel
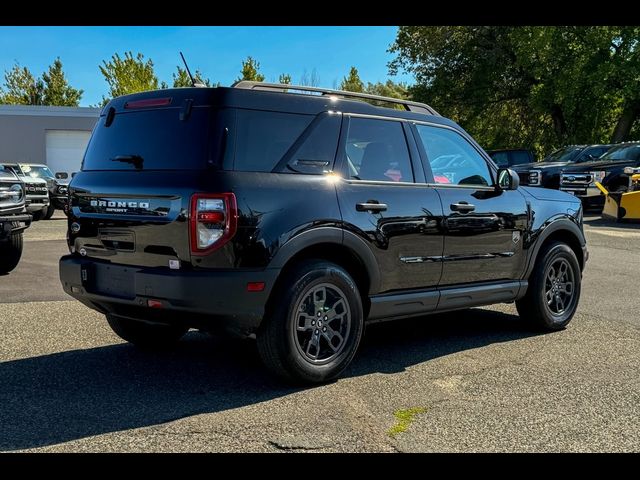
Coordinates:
[48,213]
[10,253]
[554,289]
[315,324]
[148,336]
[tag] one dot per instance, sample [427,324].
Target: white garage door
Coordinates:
[65,149]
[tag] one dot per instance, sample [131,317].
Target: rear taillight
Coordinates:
[214,219]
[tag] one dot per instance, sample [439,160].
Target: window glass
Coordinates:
[377,150]
[318,150]
[501,158]
[453,160]
[622,152]
[520,157]
[263,138]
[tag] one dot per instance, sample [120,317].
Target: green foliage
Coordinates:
[388,89]
[404,419]
[57,90]
[251,70]
[181,78]
[21,87]
[285,79]
[128,75]
[538,87]
[352,82]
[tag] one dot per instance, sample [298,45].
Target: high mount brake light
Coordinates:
[149,102]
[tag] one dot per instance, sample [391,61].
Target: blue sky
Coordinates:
[216,51]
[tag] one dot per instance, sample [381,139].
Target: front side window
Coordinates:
[377,150]
[453,160]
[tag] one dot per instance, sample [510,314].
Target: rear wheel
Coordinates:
[315,326]
[10,253]
[148,336]
[554,289]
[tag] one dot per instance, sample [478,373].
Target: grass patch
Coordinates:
[404,419]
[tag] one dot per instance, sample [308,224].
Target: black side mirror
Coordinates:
[62,175]
[508,179]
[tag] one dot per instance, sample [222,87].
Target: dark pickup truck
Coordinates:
[608,170]
[546,173]
[13,219]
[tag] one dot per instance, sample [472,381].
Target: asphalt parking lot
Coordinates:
[467,381]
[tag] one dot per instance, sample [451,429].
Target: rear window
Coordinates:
[520,157]
[158,136]
[263,138]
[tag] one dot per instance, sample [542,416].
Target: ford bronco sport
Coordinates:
[296,214]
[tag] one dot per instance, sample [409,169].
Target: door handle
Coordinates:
[462,207]
[371,206]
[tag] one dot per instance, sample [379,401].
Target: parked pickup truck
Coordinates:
[13,219]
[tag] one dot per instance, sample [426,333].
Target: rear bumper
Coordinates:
[7,224]
[202,299]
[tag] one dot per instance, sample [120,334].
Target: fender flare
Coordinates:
[336,236]
[554,226]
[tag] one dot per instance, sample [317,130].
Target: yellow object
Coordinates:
[618,205]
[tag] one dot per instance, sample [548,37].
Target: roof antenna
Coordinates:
[193,82]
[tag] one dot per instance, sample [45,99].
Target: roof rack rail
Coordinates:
[285,88]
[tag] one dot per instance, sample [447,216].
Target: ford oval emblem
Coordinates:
[571,179]
[75,227]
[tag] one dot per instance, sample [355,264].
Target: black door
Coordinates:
[483,227]
[382,202]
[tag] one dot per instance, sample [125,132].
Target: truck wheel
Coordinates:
[10,253]
[315,324]
[38,215]
[147,336]
[49,212]
[554,289]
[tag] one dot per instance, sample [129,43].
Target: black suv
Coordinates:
[14,219]
[299,216]
[512,157]
[546,173]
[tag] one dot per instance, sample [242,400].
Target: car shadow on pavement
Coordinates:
[605,222]
[76,394]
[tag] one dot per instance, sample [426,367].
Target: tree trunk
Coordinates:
[559,124]
[625,122]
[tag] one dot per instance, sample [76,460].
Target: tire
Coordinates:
[49,212]
[38,215]
[147,336]
[557,262]
[297,343]
[10,253]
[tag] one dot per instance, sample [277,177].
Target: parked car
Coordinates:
[36,192]
[58,185]
[507,158]
[297,217]
[14,219]
[608,170]
[546,173]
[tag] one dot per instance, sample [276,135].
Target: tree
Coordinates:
[250,71]
[284,78]
[22,88]
[57,90]
[352,82]
[128,75]
[527,86]
[181,79]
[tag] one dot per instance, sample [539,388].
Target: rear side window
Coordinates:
[263,138]
[501,158]
[377,150]
[158,136]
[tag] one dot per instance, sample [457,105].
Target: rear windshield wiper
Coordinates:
[135,160]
